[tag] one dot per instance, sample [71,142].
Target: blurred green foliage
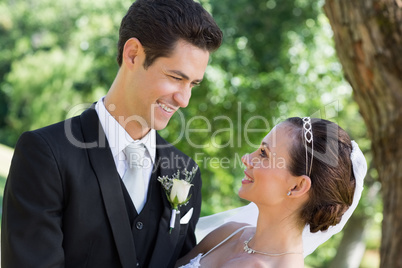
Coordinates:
[277,60]
[54,54]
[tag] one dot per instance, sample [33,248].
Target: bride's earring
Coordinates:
[289,193]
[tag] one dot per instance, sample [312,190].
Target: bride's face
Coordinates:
[267,179]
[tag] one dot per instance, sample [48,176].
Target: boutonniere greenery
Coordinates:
[177,190]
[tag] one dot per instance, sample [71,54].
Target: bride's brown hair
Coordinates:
[332,179]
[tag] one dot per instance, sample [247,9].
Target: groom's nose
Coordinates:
[182,97]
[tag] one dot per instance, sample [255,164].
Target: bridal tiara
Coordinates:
[308,138]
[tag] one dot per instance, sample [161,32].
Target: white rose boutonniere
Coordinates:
[177,190]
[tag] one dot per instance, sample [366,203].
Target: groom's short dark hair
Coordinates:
[159,24]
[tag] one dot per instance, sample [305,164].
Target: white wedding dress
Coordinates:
[195,262]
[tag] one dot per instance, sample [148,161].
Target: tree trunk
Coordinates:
[368,41]
[351,249]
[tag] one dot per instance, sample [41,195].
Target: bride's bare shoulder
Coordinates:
[249,261]
[219,234]
[260,261]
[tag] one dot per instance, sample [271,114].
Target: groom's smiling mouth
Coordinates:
[167,107]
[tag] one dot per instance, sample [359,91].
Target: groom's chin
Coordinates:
[159,124]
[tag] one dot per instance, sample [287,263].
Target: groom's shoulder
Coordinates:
[50,132]
[63,132]
[70,126]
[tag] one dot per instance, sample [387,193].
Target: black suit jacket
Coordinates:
[65,206]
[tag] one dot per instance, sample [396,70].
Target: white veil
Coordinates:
[249,214]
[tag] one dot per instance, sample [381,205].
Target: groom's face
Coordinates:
[161,89]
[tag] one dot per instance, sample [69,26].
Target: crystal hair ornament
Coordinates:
[249,214]
[308,138]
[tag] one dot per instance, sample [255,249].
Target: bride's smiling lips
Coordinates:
[247,179]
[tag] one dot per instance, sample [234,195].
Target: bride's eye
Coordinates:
[263,153]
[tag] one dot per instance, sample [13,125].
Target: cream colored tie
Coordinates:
[133,178]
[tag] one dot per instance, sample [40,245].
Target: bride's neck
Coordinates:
[277,234]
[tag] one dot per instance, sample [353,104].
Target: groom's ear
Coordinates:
[301,187]
[133,53]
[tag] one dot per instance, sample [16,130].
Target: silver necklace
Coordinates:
[249,250]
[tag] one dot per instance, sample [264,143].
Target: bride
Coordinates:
[306,174]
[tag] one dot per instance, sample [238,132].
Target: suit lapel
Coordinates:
[109,182]
[165,242]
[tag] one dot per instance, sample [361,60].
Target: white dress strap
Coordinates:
[226,239]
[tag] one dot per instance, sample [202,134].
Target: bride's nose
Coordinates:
[246,161]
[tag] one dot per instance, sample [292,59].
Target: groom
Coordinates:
[69,199]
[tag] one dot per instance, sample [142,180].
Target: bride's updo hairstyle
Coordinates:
[331,172]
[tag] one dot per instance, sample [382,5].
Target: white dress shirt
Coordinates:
[118,139]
